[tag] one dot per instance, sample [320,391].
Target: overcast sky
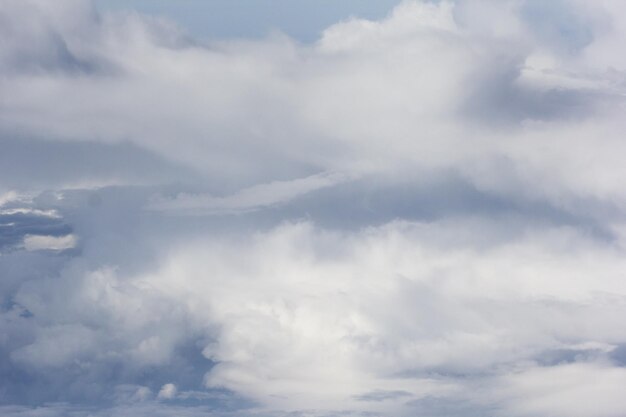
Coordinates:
[312,208]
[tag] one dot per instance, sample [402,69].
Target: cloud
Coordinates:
[252,198]
[382,395]
[167,392]
[42,242]
[578,389]
[40,164]
[33,229]
[326,310]
[422,214]
[355,100]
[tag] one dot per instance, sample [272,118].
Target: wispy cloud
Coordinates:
[249,199]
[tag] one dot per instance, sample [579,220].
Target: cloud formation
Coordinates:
[421,215]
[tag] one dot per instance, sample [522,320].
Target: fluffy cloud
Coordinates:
[307,317]
[418,215]
[429,86]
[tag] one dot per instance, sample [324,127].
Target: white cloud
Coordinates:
[458,166]
[29,211]
[252,198]
[41,242]
[309,317]
[8,197]
[576,390]
[399,93]
[167,392]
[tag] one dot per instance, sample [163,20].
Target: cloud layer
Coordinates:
[422,215]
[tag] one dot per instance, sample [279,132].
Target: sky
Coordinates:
[303,20]
[312,208]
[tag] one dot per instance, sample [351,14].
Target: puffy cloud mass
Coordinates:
[419,215]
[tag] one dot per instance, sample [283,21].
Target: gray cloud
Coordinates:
[382,395]
[422,214]
[52,164]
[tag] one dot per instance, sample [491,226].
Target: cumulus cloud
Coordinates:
[419,215]
[168,391]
